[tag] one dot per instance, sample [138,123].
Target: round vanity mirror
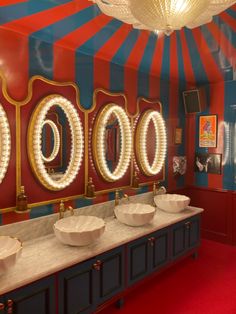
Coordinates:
[5,143]
[55,142]
[112,142]
[151,160]
[50,136]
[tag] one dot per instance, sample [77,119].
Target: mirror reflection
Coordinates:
[151,142]
[56,141]
[112,142]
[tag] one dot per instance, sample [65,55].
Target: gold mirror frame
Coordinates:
[5,143]
[56,143]
[98,145]
[35,140]
[160,146]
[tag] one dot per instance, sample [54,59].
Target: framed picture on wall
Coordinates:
[208,163]
[208,131]
[178,136]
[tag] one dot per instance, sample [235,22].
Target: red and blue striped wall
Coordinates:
[74,41]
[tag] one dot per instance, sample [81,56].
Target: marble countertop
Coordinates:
[45,255]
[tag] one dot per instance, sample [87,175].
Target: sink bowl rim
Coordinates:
[15,252]
[73,231]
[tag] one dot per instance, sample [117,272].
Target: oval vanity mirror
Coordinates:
[55,142]
[151,133]
[5,143]
[112,142]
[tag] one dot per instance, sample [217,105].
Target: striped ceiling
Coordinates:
[205,54]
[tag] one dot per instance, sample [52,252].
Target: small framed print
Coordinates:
[209,163]
[208,131]
[178,136]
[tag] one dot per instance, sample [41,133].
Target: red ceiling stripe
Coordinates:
[188,69]
[32,23]
[112,45]
[212,70]
[228,19]
[104,55]
[223,42]
[131,67]
[173,57]
[157,57]
[137,52]
[79,36]
[10,2]
[64,49]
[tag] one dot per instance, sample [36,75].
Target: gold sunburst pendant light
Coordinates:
[163,15]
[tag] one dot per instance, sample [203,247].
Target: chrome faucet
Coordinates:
[63,209]
[119,194]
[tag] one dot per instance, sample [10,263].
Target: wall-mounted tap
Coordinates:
[157,189]
[119,194]
[63,209]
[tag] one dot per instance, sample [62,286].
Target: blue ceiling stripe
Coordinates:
[231,13]
[227,31]
[41,42]
[67,25]
[218,55]
[145,67]
[119,60]
[229,118]
[198,69]
[181,149]
[165,89]
[20,10]
[85,63]
[165,67]
[96,42]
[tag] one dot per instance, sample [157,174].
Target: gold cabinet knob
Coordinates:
[151,241]
[98,265]
[2,306]
[9,307]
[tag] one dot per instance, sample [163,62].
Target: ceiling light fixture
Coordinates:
[163,16]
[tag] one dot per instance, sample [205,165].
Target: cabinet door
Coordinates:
[36,298]
[76,289]
[186,235]
[138,259]
[194,232]
[110,276]
[160,244]
[179,239]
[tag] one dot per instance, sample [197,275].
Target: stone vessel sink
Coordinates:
[10,251]
[172,203]
[79,230]
[134,214]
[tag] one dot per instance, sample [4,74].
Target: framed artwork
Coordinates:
[208,131]
[178,135]
[209,163]
[179,165]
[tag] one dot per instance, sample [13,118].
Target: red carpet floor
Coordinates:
[206,285]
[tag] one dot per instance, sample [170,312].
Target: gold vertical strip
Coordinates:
[86,149]
[18,149]
[132,156]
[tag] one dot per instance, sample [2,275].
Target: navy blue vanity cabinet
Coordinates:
[76,289]
[36,298]
[160,253]
[110,276]
[147,254]
[84,286]
[185,236]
